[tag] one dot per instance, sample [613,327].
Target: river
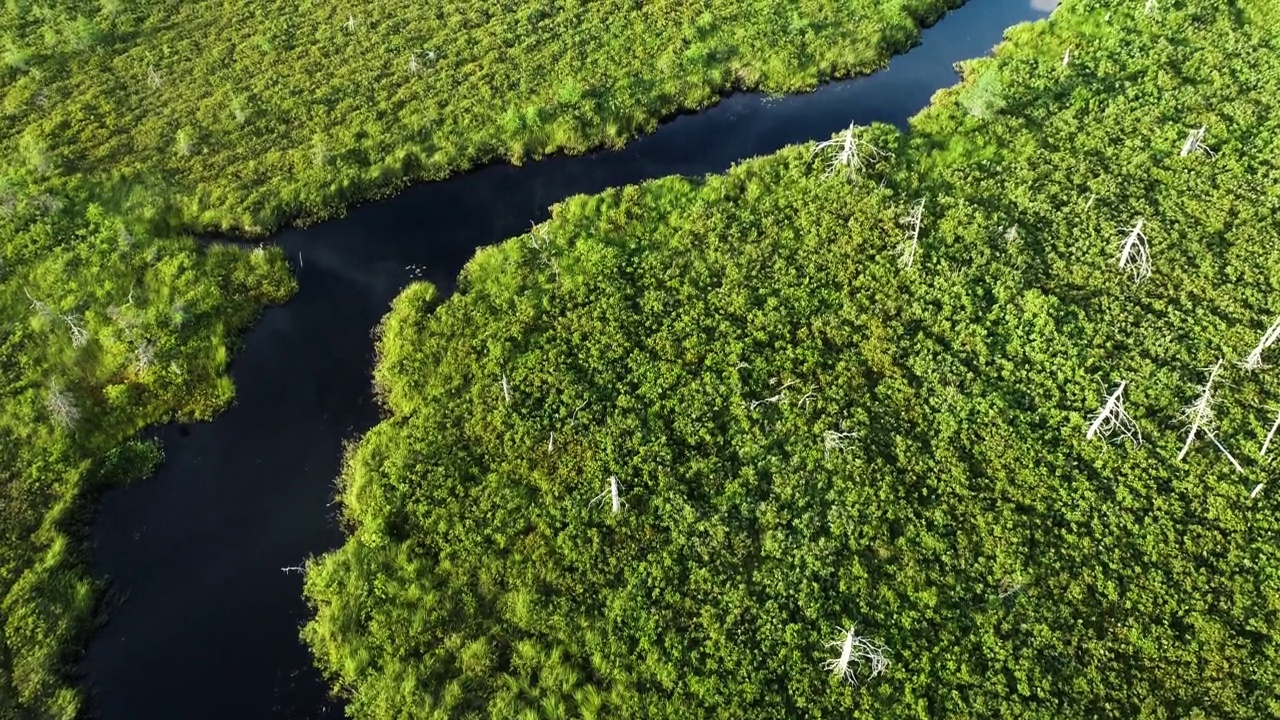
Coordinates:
[204,621]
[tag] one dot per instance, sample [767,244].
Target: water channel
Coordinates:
[206,626]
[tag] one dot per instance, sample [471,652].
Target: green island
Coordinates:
[964,421]
[127,127]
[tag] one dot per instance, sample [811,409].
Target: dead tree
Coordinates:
[1267,443]
[613,494]
[1112,418]
[1066,57]
[1195,143]
[1199,414]
[62,408]
[854,652]
[911,242]
[506,388]
[834,440]
[153,78]
[1214,439]
[776,399]
[540,241]
[850,152]
[1269,338]
[807,398]
[42,310]
[414,66]
[79,336]
[1256,489]
[1135,255]
[350,24]
[1150,7]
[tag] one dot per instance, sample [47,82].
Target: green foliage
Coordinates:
[1012,568]
[105,328]
[254,117]
[124,126]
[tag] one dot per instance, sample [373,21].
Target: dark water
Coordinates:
[209,624]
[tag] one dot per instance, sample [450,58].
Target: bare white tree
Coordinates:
[540,241]
[293,569]
[856,651]
[807,398]
[613,494]
[43,311]
[850,152]
[1267,443]
[144,356]
[79,336]
[1150,7]
[153,77]
[1214,438]
[1195,143]
[551,443]
[1256,489]
[1135,254]
[1066,57]
[1199,414]
[910,244]
[1269,338]
[414,66]
[350,24]
[506,388]
[61,406]
[1112,418]
[835,441]
[775,399]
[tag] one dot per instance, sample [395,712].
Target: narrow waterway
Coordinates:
[207,623]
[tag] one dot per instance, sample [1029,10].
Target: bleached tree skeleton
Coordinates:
[1195,143]
[1135,255]
[855,651]
[613,494]
[834,440]
[1199,414]
[910,245]
[1267,443]
[1269,338]
[61,407]
[1111,418]
[850,152]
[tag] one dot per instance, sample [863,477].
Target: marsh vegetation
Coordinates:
[126,127]
[842,483]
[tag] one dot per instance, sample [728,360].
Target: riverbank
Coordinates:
[118,137]
[245,496]
[674,449]
[238,119]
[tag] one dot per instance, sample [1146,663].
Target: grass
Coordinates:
[106,329]
[811,438]
[249,117]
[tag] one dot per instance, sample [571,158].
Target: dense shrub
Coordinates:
[810,437]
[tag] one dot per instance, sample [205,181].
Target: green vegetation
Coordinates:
[810,437]
[125,126]
[249,116]
[104,329]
